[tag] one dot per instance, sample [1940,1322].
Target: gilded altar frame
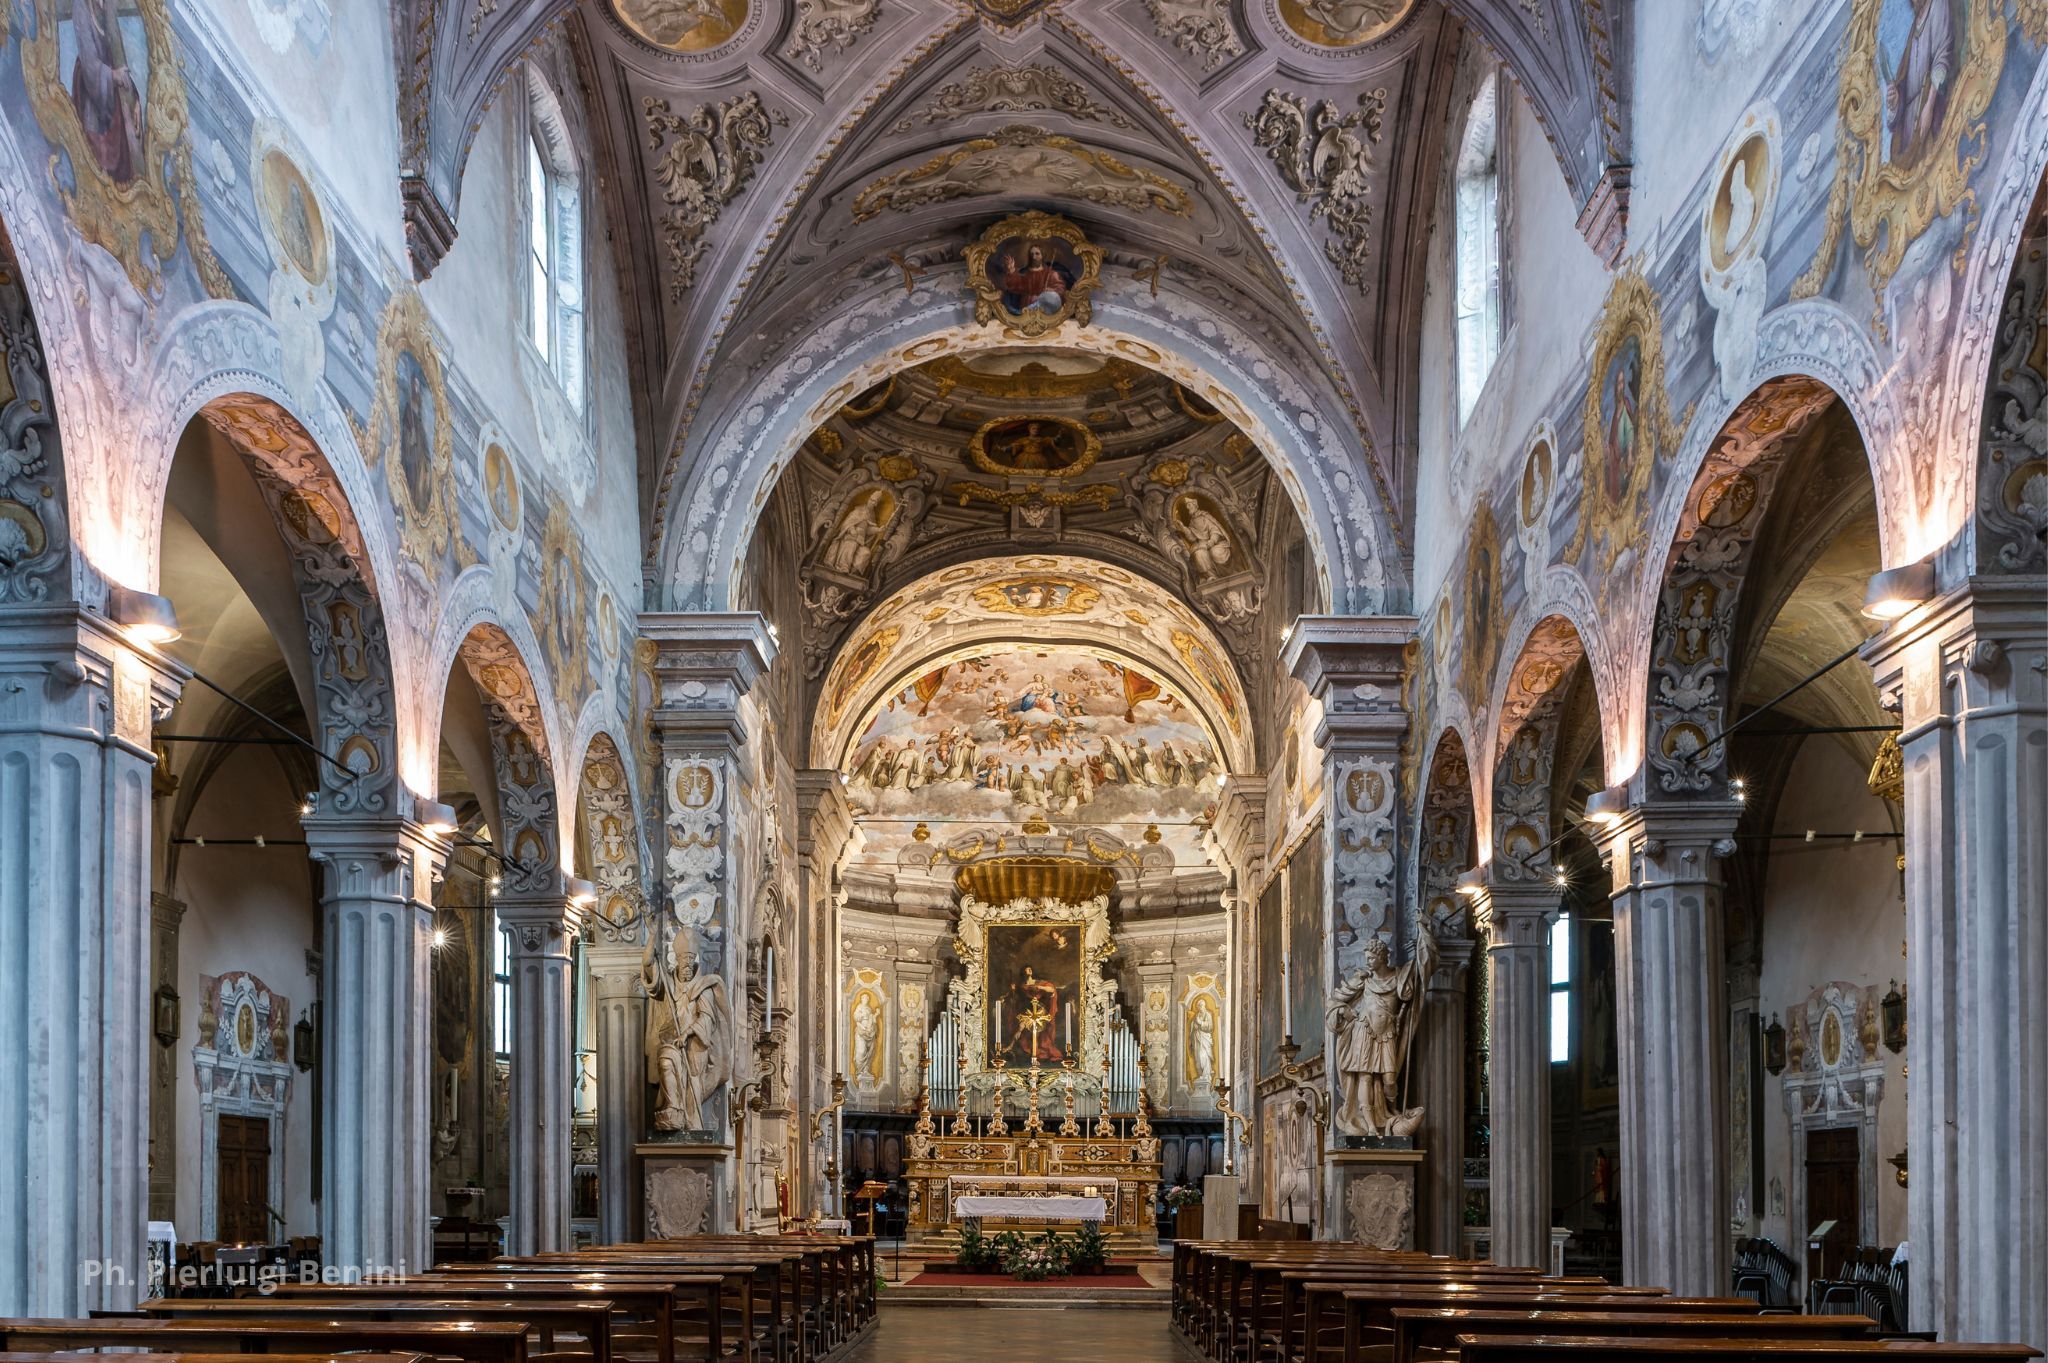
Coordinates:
[1076,306]
[970,995]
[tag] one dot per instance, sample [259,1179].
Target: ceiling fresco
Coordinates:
[1072,450]
[995,740]
[1051,601]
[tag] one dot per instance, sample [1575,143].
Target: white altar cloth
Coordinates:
[1033,1208]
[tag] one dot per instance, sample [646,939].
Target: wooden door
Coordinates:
[244,1180]
[1834,1192]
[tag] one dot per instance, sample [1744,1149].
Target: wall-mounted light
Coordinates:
[164,1015]
[1774,1046]
[1893,1006]
[436,818]
[1896,591]
[1473,883]
[1604,808]
[149,617]
[581,892]
[304,1043]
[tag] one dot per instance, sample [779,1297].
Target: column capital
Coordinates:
[704,662]
[79,652]
[615,970]
[1516,913]
[1670,842]
[542,924]
[1967,632]
[166,911]
[826,836]
[378,855]
[1453,965]
[1357,666]
[1239,828]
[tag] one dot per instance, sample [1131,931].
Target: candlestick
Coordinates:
[1069,1025]
[768,992]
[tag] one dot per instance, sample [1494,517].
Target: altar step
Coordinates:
[1031,1296]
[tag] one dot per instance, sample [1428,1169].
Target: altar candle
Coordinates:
[1069,1010]
[768,989]
[999,1022]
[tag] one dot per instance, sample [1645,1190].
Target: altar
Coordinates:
[970,1209]
[1031,1183]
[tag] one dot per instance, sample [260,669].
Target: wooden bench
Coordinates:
[1484,1348]
[1359,1307]
[543,1315]
[1436,1329]
[475,1342]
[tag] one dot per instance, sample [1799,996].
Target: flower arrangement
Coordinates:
[1048,1255]
[1184,1195]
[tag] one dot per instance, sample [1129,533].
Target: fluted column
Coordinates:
[542,1070]
[1671,1020]
[1518,916]
[826,839]
[1440,1088]
[621,1083]
[76,705]
[376,1031]
[1967,673]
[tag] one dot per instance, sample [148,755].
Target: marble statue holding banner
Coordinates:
[1373,1016]
[686,1033]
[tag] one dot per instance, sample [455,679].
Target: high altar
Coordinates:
[1034,1013]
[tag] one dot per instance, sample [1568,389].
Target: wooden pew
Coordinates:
[1348,1306]
[640,1304]
[1654,1349]
[696,1295]
[83,1356]
[476,1342]
[1437,1328]
[547,1316]
[754,1281]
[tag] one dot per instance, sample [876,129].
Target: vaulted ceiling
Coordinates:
[1274,158]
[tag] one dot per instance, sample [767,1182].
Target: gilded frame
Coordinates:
[1076,307]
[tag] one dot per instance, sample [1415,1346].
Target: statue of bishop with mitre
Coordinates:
[1373,1016]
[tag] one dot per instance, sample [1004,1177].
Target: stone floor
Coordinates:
[1073,1335]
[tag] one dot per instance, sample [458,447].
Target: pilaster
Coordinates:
[704,665]
[375,1025]
[1440,1088]
[542,927]
[1671,1014]
[1968,676]
[1237,842]
[621,1083]
[165,916]
[77,702]
[1518,914]
[826,840]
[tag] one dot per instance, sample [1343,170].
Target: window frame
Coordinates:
[501,995]
[1561,960]
[1484,317]
[550,146]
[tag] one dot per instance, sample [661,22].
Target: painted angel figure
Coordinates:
[1373,1016]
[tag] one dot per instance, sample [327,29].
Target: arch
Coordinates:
[467,605]
[1446,848]
[1094,612]
[521,756]
[611,854]
[2011,474]
[35,524]
[702,530]
[1527,711]
[1691,646]
[355,698]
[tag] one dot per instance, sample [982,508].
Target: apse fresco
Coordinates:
[1063,735]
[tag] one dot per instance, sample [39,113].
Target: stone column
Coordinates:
[542,1071]
[1355,668]
[1237,842]
[704,665]
[621,1083]
[165,915]
[825,840]
[1968,676]
[1518,915]
[1671,1019]
[1440,1088]
[76,705]
[376,1037]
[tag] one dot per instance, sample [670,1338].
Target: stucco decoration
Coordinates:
[347,636]
[1034,88]
[862,525]
[678,1201]
[1363,793]
[684,26]
[1382,1210]
[1909,133]
[826,27]
[1200,28]
[1022,158]
[34,533]
[1326,156]
[1525,746]
[611,842]
[1693,634]
[411,429]
[2012,480]
[520,754]
[1341,23]
[1735,229]
[694,792]
[967,609]
[1202,523]
[1628,428]
[702,160]
[299,235]
[1446,842]
[110,97]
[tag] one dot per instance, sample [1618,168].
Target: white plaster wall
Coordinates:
[1832,912]
[1554,285]
[253,909]
[332,83]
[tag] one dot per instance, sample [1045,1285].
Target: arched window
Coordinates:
[554,241]
[1561,989]
[1477,267]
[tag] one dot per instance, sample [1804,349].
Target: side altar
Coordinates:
[1034,1011]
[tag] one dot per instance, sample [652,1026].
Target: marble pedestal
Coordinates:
[684,1189]
[1372,1196]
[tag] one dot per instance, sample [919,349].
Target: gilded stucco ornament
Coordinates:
[1908,139]
[1012,89]
[411,428]
[1200,28]
[1033,273]
[1341,23]
[117,122]
[1019,158]
[827,26]
[703,159]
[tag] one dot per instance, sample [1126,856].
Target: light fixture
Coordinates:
[1893,1006]
[164,1015]
[1739,788]
[1605,807]
[1774,1046]
[1222,779]
[1473,883]
[581,892]
[308,805]
[440,938]
[149,617]
[438,819]
[303,1043]
[1896,591]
